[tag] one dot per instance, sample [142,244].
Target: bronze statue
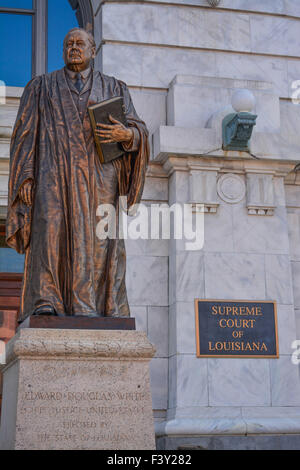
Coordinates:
[57,182]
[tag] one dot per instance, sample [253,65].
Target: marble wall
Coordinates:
[147,45]
[293,204]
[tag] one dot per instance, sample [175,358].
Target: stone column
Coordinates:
[75,389]
[245,257]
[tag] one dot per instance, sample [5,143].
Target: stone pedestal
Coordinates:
[75,389]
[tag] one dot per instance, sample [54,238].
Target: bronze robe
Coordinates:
[66,265]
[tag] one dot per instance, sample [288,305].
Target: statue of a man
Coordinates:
[57,183]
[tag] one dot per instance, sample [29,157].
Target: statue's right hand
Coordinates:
[25,193]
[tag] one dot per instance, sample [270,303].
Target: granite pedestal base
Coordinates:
[77,390]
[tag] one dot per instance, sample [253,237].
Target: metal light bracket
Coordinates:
[237,131]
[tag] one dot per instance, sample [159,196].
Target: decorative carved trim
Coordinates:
[213,3]
[203,190]
[46,344]
[260,211]
[231,188]
[84,14]
[260,194]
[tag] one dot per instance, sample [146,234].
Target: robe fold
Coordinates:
[66,265]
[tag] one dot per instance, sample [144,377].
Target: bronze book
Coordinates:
[99,114]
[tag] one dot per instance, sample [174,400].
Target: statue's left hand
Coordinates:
[25,193]
[115,132]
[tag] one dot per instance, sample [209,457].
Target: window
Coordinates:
[16,30]
[31,41]
[61,18]
[32,33]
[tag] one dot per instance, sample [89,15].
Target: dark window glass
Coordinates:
[61,18]
[15,49]
[24,4]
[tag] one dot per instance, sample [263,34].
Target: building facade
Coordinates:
[183,62]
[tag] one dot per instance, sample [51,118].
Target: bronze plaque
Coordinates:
[233,328]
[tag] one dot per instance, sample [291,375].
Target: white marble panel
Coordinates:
[287,7]
[159,383]
[123,62]
[286,328]
[156,189]
[150,105]
[269,6]
[184,141]
[296,282]
[172,342]
[191,103]
[182,338]
[272,146]
[192,386]
[279,279]
[272,412]
[189,27]
[4,149]
[234,276]
[279,192]
[140,23]
[193,106]
[179,187]
[172,384]
[180,26]
[294,234]
[258,234]
[147,280]
[156,66]
[292,195]
[158,329]
[147,247]
[253,67]
[275,35]
[292,7]
[290,122]
[293,69]
[218,229]
[239,382]
[160,65]
[186,276]
[260,190]
[285,382]
[8,115]
[140,315]
[209,412]
[297,315]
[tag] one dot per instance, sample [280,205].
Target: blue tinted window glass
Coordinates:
[11,261]
[15,49]
[25,4]
[61,18]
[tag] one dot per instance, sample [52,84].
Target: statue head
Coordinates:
[79,49]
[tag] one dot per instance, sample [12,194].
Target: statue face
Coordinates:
[78,52]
